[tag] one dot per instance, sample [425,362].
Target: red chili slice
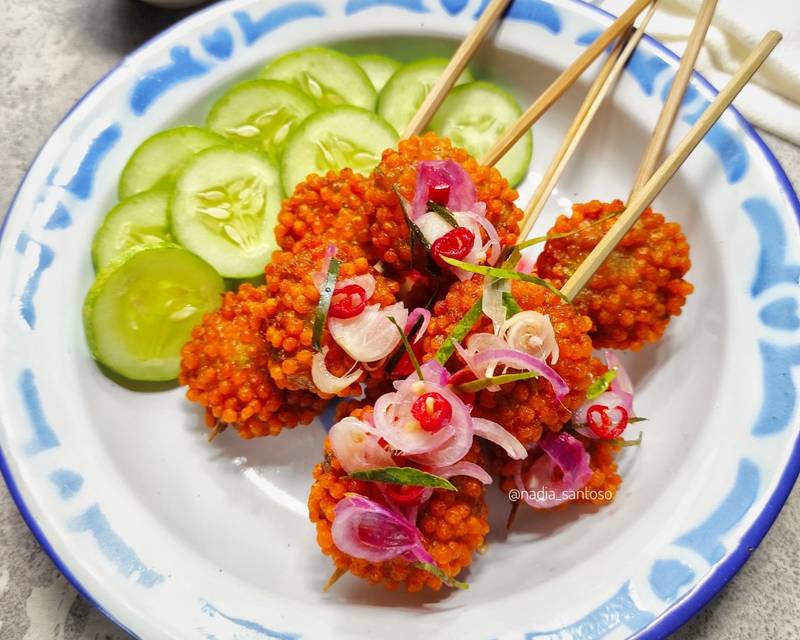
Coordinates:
[404,494]
[348,301]
[439,193]
[601,423]
[432,411]
[455,244]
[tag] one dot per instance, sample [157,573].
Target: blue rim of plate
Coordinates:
[671,618]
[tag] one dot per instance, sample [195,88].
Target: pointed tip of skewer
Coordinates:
[218,428]
[337,573]
[512,515]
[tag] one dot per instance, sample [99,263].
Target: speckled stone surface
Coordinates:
[51,52]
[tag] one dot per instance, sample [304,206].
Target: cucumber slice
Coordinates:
[406,89]
[142,307]
[157,161]
[260,114]
[136,221]
[332,139]
[328,77]
[474,116]
[224,207]
[378,68]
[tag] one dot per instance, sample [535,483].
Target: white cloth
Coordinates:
[772,99]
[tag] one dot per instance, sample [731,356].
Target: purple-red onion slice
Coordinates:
[515,359]
[431,173]
[538,486]
[364,529]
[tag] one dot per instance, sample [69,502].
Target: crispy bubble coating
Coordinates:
[526,407]
[332,207]
[640,287]
[290,308]
[389,233]
[453,525]
[224,366]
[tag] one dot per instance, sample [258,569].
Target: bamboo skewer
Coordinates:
[563,82]
[455,67]
[675,97]
[603,84]
[644,196]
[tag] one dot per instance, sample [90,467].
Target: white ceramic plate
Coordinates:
[175,538]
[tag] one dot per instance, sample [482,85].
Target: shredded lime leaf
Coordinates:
[511,304]
[324,305]
[636,419]
[621,442]
[404,475]
[443,212]
[412,356]
[459,332]
[600,385]
[432,568]
[483,383]
[415,232]
[563,234]
[508,274]
[394,359]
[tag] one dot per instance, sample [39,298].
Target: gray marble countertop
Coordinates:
[51,52]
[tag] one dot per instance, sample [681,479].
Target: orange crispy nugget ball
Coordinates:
[390,235]
[290,308]
[526,407]
[633,295]
[602,486]
[453,525]
[329,208]
[224,364]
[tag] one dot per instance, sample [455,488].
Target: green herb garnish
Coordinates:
[324,305]
[459,332]
[432,568]
[412,356]
[483,383]
[621,442]
[636,419]
[563,234]
[391,363]
[415,231]
[511,304]
[443,212]
[600,385]
[404,475]
[506,274]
